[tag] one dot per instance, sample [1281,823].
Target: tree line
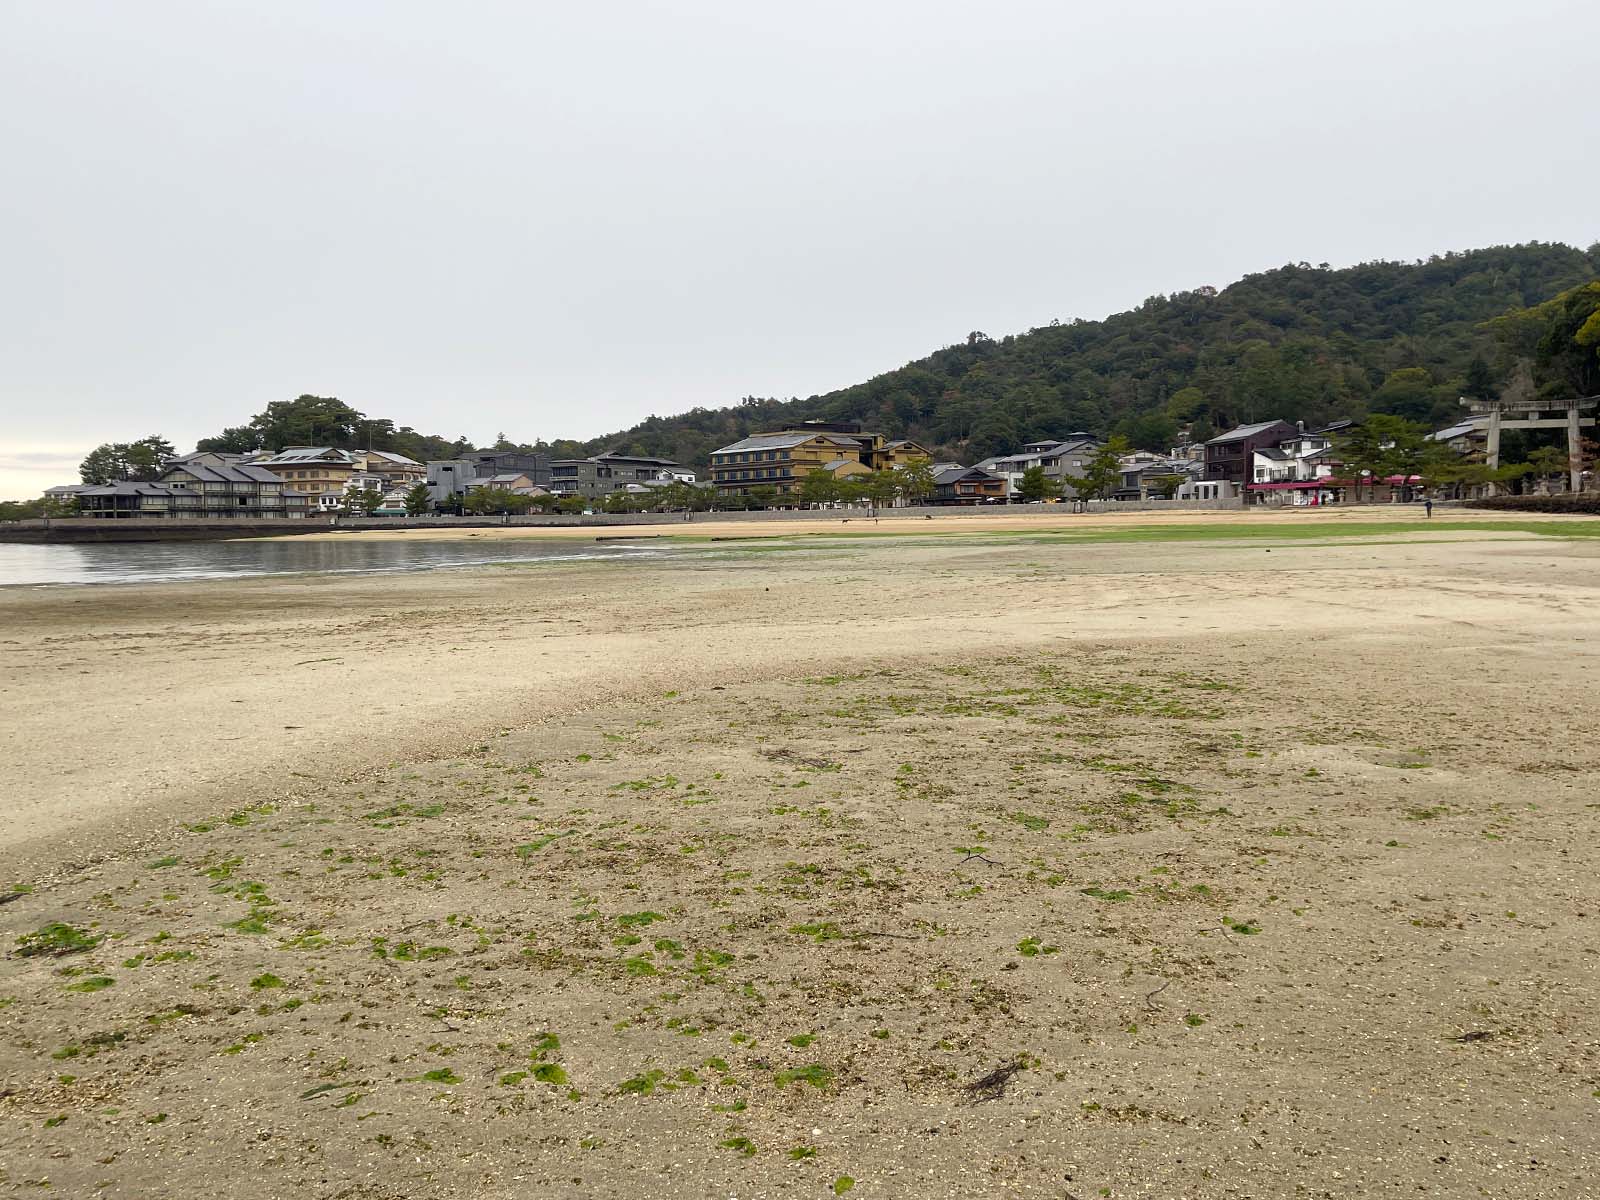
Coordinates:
[1315,344]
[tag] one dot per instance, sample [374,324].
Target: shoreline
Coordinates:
[1287,527]
[977,522]
[776,523]
[706,539]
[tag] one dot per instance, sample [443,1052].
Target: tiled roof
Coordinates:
[666,463]
[1461,429]
[1239,432]
[1033,449]
[242,473]
[129,488]
[779,441]
[635,458]
[956,473]
[301,455]
[769,441]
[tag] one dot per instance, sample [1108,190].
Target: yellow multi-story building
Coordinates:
[322,472]
[784,458]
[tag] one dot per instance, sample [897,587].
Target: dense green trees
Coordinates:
[307,421]
[144,460]
[675,497]
[818,487]
[1035,485]
[485,501]
[880,488]
[1386,445]
[1568,355]
[763,495]
[916,480]
[361,503]
[235,439]
[1546,462]
[326,421]
[1408,393]
[418,500]
[45,506]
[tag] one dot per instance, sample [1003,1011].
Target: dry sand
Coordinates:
[1236,869]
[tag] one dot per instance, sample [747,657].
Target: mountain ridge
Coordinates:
[1304,342]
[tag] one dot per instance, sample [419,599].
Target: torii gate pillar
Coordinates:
[1574,448]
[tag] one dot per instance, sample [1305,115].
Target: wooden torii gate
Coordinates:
[1539,414]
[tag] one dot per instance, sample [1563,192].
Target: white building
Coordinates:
[1298,472]
[1055,458]
[1207,489]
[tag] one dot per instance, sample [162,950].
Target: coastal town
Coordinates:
[818,464]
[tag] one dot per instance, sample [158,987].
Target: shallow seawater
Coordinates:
[171,562]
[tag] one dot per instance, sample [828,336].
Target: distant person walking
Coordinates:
[1427,505]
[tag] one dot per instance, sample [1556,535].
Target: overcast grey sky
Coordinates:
[556,219]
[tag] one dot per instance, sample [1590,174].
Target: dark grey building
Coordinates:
[449,478]
[192,489]
[1229,456]
[514,462]
[607,473]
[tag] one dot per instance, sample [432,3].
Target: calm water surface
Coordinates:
[167,562]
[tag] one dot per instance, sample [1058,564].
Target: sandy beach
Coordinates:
[948,863]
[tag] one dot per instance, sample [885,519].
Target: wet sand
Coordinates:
[949,868]
[1053,518]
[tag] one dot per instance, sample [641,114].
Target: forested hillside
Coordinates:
[1300,342]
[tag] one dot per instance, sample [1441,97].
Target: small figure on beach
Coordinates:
[1427,505]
